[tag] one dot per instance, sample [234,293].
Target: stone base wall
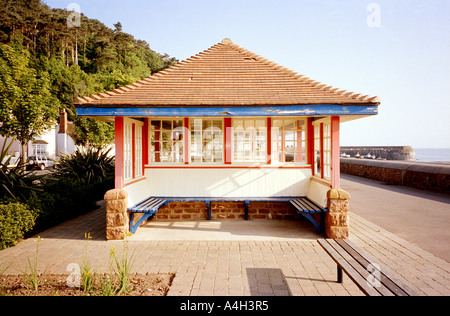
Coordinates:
[226,210]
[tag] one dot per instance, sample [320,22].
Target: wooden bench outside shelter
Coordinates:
[368,275]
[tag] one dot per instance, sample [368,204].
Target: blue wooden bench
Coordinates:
[151,205]
[306,208]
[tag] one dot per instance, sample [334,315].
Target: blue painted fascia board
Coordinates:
[288,110]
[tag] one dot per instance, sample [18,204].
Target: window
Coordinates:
[288,140]
[39,150]
[128,151]
[132,149]
[322,149]
[138,151]
[167,145]
[327,150]
[206,141]
[249,140]
[317,150]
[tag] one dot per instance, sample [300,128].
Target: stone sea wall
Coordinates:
[424,176]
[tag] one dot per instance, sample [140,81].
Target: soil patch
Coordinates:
[56,285]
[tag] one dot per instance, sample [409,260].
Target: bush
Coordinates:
[62,200]
[88,165]
[16,183]
[15,220]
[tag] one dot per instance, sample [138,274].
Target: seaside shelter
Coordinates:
[226,124]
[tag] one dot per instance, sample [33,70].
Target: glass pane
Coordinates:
[167,125]
[177,124]
[156,125]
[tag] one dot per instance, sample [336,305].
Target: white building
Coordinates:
[54,143]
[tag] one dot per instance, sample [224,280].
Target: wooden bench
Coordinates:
[150,206]
[306,208]
[368,275]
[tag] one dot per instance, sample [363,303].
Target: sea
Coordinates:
[432,154]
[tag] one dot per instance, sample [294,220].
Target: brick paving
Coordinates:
[251,264]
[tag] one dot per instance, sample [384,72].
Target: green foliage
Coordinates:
[15,220]
[64,199]
[16,183]
[75,61]
[27,108]
[88,165]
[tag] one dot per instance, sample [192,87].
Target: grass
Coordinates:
[34,279]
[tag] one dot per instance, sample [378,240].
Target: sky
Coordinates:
[398,50]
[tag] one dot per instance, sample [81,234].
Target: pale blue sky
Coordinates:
[405,61]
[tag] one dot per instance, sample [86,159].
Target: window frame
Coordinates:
[275,153]
[322,147]
[202,131]
[253,130]
[133,151]
[179,129]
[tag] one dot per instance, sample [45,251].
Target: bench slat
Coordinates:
[296,203]
[312,205]
[362,266]
[148,203]
[394,284]
[360,269]
[305,206]
[154,204]
[360,281]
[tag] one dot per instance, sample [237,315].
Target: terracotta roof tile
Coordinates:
[226,75]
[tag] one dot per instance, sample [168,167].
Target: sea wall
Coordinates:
[423,176]
[383,152]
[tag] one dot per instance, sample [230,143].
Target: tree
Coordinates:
[27,108]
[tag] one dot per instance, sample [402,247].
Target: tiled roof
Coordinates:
[225,75]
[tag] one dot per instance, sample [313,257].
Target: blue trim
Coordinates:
[288,110]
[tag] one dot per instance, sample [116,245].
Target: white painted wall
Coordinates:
[220,182]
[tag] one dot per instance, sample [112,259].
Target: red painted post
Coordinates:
[186,140]
[269,140]
[335,153]
[321,150]
[228,140]
[133,149]
[145,143]
[119,183]
[310,143]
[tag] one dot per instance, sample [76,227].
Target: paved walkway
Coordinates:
[233,257]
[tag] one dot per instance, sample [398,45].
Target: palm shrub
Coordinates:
[15,182]
[89,165]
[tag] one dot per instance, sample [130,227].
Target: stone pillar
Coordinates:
[117,221]
[337,219]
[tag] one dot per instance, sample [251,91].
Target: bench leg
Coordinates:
[208,209]
[313,221]
[246,210]
[339,274]
[134,227]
